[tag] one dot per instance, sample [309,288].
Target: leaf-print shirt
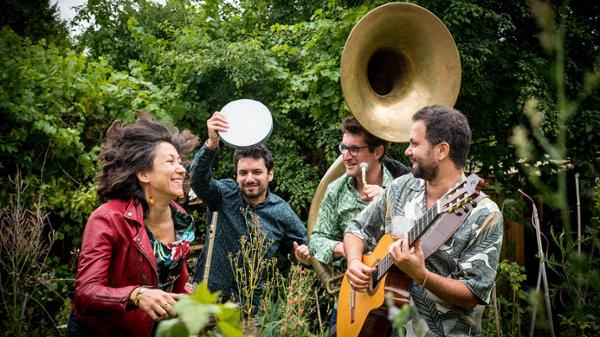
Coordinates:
[340,204]
[170,257]
[470,255]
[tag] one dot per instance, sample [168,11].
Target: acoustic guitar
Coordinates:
[363,314]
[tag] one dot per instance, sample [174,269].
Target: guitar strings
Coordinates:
[413,234]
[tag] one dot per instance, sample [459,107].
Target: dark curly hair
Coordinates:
[257,152]
[129,149]
[444,124]
[352,126]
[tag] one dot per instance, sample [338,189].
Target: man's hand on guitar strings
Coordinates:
[409,259]
[359,275]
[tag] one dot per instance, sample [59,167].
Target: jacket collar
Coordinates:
[135,212]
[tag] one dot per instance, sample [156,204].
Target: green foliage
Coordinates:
[291,312]
[399,317]
[28,287]
[251,268]
[578,289]
[273,301]
[36,19]
[220,52]
[56,105]
[574,262]
[512,306]
[194,313]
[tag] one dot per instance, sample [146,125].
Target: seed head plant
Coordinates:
[25,243]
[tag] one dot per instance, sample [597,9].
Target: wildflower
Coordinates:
[392,312]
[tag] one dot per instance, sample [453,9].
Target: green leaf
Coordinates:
[203,294]
[172,328]
[229,329]
[195,315]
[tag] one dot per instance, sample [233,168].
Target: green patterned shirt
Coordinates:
[470,255]
[171,257]
[340,204]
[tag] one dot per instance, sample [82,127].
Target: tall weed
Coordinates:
[575,296]
[274,302]
[27,284]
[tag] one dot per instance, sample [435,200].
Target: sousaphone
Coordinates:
[398,59]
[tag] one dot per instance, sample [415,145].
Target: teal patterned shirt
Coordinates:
[171,257]
[277,219]
[340,204]
[470,255]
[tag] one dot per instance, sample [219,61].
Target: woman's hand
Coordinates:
[155,302]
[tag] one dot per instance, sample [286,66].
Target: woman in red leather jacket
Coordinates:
[133,256]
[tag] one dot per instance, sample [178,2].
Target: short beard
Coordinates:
[252,195]
[426,173]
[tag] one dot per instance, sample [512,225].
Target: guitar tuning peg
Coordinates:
[458,213]
[466,209]
[474,204]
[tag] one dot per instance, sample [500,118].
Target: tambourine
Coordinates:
[250,123]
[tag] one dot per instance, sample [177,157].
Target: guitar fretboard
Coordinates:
[420,227]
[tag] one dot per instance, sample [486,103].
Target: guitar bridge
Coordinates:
[352,304]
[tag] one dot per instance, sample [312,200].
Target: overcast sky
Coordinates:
[65,7]
[67,12]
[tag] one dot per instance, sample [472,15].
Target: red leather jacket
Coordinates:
[116,257]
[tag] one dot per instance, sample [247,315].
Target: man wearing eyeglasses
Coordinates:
[347,196]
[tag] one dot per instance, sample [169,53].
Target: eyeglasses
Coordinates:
[354,150]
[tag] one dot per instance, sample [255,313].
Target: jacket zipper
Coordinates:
[147,258]
[134,262]
[110,299]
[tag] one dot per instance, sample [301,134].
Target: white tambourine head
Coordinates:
[250,123]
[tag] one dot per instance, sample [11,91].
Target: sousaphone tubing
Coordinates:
[398,59]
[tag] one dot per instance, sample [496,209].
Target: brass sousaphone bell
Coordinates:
[398,59]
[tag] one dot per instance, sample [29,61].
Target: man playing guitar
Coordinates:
[450,287]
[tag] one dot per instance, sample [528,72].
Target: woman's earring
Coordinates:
[150,198]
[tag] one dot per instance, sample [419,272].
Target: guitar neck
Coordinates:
[420,227]
[464,192]
[422,224]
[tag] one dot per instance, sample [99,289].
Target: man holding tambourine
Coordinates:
[237,125]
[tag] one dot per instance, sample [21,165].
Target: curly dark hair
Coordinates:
[444,124]
[129,149]
[257,152]
[352,126]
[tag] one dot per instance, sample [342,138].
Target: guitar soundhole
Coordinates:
[373,281]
